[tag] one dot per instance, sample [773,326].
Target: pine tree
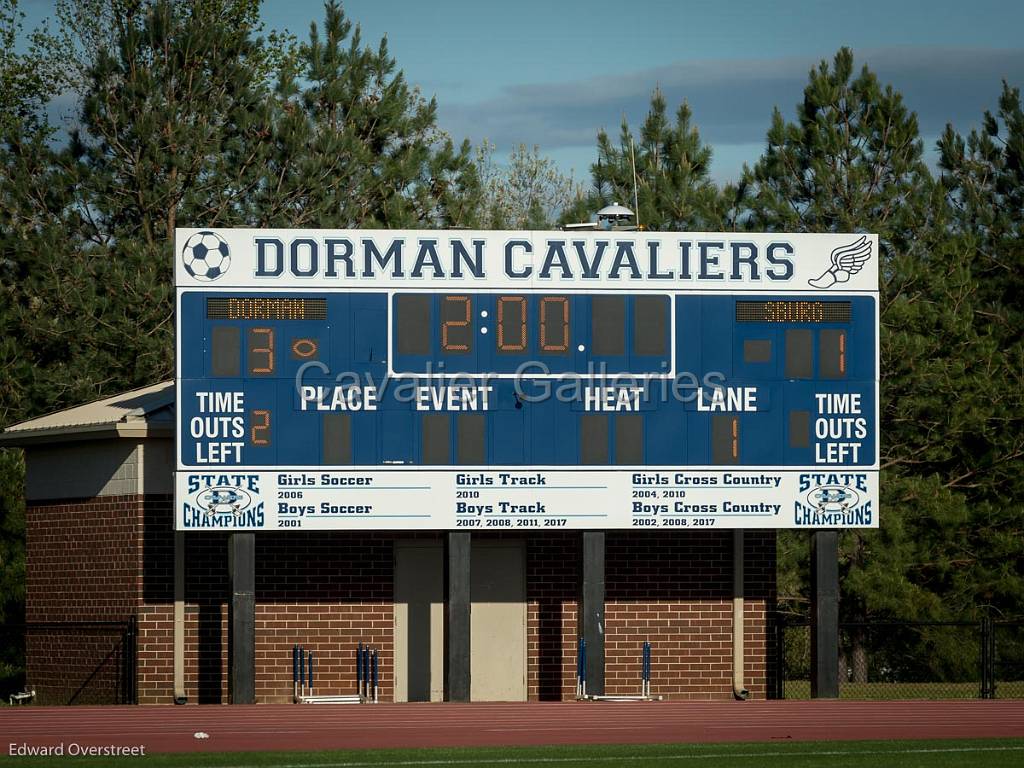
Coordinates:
[358,146]
[162,107]
[28,205]
[983,177]
[188,118]
[672,188]
[852,162]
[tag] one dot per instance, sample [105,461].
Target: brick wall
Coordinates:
[83,559]
[77,664]
[675,590]
[83,564]
[206,611]
[552,592]
[326,590]
[329,590]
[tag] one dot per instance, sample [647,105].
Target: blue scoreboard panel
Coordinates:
[442,380]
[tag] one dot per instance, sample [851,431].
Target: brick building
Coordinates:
[102,592]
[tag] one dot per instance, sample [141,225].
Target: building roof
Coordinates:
[145,412]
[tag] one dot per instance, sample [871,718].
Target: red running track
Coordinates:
[319,727]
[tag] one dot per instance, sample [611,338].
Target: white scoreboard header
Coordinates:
[495,260]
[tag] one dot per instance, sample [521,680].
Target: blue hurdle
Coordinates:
[303,677]
[375,677]
[366,672]
[581,669]
[645,672]
[645,675]
[367,677]
[359,669]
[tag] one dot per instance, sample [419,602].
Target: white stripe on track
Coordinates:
[634,758]
[450,716]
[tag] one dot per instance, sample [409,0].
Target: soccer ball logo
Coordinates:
[206,256]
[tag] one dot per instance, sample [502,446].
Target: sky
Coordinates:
[551,74]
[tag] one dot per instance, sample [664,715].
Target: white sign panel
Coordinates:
[514,499]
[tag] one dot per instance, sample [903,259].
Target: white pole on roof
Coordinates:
[636,193]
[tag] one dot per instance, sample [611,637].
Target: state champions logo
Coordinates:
[847,260]
[206,256]
[225,501]
[833,498]
[221,500]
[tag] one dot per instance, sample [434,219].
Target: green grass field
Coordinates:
[991,753]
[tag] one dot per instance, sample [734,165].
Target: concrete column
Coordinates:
[457,637]
[179,618]
[592,613]
[242,618]
[825,615]
[739,687]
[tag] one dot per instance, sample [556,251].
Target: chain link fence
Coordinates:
[12,660]
[1008,659]
[75,662]
[910,660]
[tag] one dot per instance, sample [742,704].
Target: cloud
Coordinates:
[732,100]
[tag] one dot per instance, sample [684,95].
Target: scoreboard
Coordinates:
[418,380]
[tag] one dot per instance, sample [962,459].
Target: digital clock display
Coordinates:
[498,332]
[793,311]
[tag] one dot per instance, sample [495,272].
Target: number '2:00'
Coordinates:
[511,323]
